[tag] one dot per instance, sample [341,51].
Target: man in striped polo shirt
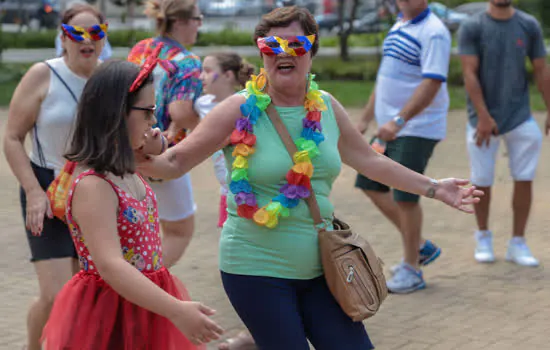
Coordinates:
[410,103]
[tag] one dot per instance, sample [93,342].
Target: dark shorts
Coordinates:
[55,241]
[412,152]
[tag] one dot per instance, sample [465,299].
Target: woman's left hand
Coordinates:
[454,193]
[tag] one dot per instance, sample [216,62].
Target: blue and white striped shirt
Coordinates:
[414,50]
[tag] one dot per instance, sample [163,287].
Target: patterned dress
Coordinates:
[89,314]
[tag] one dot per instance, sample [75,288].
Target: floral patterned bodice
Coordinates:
[138,229]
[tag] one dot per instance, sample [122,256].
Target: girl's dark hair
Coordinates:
[101,140]
[283,17]
[229,61]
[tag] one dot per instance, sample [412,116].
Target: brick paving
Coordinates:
[466,306]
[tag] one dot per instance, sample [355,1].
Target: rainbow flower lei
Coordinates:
[298,185]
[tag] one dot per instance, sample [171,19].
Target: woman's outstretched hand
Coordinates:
[454,193]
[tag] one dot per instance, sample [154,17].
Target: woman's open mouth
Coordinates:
[285,67]
[87,51]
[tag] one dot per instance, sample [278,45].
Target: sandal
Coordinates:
[243,341]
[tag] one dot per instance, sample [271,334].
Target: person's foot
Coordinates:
[243,341]
[519,253]
[426,255]
[406,280]
[484,249]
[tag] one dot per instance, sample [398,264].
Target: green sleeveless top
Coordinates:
[291,249]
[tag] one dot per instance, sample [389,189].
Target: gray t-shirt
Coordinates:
[502,47]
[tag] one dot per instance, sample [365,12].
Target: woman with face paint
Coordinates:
[44,105]
[222,74]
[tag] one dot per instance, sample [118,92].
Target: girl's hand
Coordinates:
[38,206]
[193,321]
[453,193]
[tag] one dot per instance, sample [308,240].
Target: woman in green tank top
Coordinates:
[269,254]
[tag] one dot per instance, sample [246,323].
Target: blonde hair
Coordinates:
[166,12]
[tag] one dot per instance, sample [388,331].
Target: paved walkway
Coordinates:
[466,305]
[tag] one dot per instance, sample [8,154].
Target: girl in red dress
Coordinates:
[123,298]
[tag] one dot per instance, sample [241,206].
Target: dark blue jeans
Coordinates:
[284,313]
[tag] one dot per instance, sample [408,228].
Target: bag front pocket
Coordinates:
[358,279]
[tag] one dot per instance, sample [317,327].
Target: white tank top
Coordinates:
[57,115]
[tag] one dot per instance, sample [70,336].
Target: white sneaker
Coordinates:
[519,253]
[484,249]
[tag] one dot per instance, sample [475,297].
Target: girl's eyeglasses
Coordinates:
[150,110]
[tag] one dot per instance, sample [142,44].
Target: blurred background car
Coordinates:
[34,14]
[471,8]
[451,18]
[234,8]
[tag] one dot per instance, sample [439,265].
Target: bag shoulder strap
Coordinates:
[62,81]
[291,149]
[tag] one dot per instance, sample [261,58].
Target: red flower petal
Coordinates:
[314,116]
[246,211]
[244,136]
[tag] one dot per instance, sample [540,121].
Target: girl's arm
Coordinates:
[24,108]
[210,135]
[94,208]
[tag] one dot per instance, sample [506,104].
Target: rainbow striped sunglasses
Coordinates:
[78,34]
[294,45]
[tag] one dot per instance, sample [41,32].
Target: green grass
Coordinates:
[351,93]
[355,94]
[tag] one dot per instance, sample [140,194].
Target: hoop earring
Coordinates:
[261,81]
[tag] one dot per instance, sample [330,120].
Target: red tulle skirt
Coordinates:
[222,211]
[89,315]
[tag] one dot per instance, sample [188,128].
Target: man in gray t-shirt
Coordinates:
[493,47]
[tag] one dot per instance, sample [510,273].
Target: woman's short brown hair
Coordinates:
[283,17]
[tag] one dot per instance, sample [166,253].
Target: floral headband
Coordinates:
[294,45]
[78,34]
[147,68]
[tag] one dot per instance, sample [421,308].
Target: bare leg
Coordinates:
[176,236]
[411,221]
[243,341]
[387,206]
[521,205]
[482,209]
[52,276]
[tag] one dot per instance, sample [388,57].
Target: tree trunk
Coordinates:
[131,9]
[344,34]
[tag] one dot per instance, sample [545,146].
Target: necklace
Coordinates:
[298,178]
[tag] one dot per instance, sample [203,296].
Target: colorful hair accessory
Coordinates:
[298,178]
[294,45]
[78,34]
[147,68]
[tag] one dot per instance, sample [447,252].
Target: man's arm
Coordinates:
[421,99]
[368,113]
[540,69]
[469,57]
